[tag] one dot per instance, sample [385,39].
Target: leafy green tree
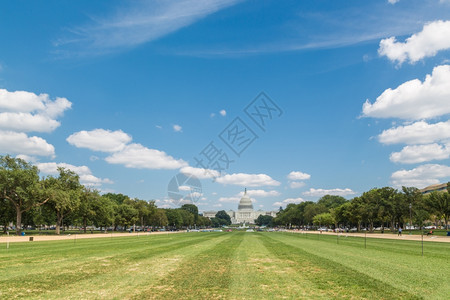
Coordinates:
[86,211]
[331,201]
[203,221]
[105,210]
[264,220]
[222,215]
[64,193]
[159,218]
[193,209]
[126,215]
[313,209]
[439,203]
[20,184]
[325,219]
[187,217]
[174,217]
[6,213]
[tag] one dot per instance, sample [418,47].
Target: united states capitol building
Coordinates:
[245,212]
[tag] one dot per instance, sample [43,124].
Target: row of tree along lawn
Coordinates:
[28,200]
[379,207]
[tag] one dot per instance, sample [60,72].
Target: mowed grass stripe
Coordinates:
[50,256]
[107,270]
[258,273]
[206,275]
[401,272]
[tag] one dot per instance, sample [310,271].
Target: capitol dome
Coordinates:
[246,202]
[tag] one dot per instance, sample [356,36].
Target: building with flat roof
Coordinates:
[440,187]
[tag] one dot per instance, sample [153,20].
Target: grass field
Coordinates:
[237,265]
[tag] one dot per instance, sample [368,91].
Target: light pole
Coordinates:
[410,218]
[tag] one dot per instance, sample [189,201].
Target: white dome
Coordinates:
[245,203]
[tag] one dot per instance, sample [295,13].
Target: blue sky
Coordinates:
[129,93]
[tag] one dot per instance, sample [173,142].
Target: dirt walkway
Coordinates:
[41,238]
[405,236]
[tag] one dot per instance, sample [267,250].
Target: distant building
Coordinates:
[434,188]
[245,212]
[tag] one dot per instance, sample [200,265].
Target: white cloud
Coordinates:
[247,180]
[177,128]
[234,199]
[140,157]
[26,102]
[223,112]
[289,201]
[296,184]
[260,193]
[296,175]
[26,122]
[20,143]
[421,153]
[22,111]
[200,173]
[100,140]
[84,172]
[322,192]
[421,176]
[414,100]
[417,133]
[217,205]
[27,158]
[393,1]
[141,22]
[432,38]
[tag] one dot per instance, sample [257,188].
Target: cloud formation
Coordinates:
[86,177]
[414,100]
[421,153]
[20,143]
[22,112]
[296,175]
[417,133]
[322,192]
[130,155]
[100,140]
[140,22]
[260,193]
[432,38]
[140,157]
[289,201]
[200,173]
[421,176]
[247,180]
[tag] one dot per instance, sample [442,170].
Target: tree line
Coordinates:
[379,207]
[28,200]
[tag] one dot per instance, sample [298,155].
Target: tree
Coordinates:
[19,184]
[263,220]
[6,213]
[222,215]
[324,219]
[105,210]
[331,201]
[126,215]
[159,218]
[192,209]
[64,193]
[439,203]
[86,211]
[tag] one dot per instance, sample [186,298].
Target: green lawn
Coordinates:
[237,265]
